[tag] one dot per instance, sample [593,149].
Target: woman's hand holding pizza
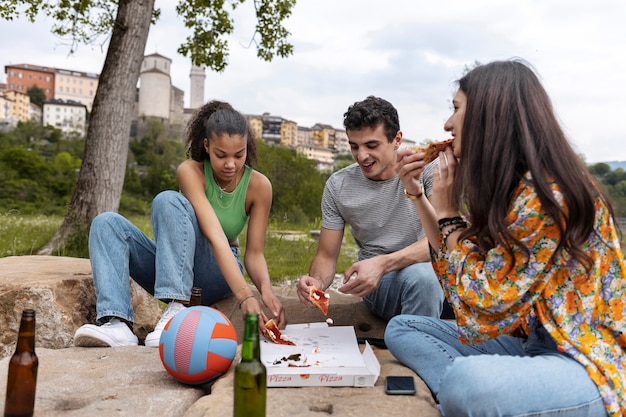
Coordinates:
[275,307]
[250,304]
[443,185]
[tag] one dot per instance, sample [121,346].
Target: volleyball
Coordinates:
[198,345]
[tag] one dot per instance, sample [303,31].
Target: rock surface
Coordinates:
[131,381]
[123,381]
[61,290]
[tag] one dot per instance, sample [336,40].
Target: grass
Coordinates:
[25,234]
[287,257]
[289,248]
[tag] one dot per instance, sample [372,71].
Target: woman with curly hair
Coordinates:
[195,236]
[525,245]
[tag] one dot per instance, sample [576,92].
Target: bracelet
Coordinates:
[449,221]
[414,196]
[241,302]
[448,232]
[240,289]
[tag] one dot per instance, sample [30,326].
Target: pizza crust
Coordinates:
[275,335]
[432,149]
[320,299]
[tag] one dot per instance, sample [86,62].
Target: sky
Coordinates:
[409,52]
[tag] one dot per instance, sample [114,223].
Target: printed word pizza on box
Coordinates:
[320,356]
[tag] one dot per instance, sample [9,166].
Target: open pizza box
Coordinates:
[323,356]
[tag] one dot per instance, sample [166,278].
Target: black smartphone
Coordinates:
[400,385]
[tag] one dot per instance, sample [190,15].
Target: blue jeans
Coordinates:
[412,290]
[505,376]
[178,258]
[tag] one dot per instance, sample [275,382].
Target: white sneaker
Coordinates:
[153,338]
[112,334]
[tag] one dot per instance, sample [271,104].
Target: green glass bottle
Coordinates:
[250,374]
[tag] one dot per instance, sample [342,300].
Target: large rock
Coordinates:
[132,381]
[61,290]
[102,382]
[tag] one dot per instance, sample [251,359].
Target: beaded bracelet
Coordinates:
[241,302]
[451,230]
[449,221]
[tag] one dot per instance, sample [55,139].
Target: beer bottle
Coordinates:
[250,373]
[196,297]
[22,379]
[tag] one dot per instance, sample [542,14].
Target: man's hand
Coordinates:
[304,286]
[362,277]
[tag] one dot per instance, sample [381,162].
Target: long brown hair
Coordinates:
[509,129]
[217,117]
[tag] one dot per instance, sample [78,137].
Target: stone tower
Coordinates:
[155,87]
[196,93]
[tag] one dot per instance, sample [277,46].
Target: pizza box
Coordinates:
[327,356]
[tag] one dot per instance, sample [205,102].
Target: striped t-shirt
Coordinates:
[382,220]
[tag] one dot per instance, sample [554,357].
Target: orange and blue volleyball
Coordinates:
[198,345]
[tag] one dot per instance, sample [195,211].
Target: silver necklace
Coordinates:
[223,189]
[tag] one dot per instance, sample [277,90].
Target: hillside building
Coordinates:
[21,77]
[68,116]
[158,98]
[56,83]
[197,76]
[324,157]
[21,105]
[7,118]
[70,94]
[36,113]
[341,141]
[76,86]
[304,136]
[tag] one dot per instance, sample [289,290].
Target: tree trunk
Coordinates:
[101,178]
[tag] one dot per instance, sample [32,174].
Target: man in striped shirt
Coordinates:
[393,272]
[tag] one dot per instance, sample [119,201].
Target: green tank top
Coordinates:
[230,208]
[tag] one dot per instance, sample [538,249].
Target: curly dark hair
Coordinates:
[372,112]
[217,118]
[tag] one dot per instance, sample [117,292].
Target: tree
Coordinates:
[284,168]
[37,95]
[600,169]
[101,177]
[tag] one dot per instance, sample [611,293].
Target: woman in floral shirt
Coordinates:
[525,245]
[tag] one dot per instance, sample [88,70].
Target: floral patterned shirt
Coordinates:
[585,312]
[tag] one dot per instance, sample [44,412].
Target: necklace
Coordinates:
[223,189]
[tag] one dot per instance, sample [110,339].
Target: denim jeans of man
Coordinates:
[178,258]
[505,376]
[411,290]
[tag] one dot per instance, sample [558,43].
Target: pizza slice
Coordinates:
[320,299]
[432,149]
[275,335]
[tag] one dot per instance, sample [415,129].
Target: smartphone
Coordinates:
[400,385]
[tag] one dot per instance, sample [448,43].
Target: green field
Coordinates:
[289,249]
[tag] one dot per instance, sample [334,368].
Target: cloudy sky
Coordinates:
[407,51]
